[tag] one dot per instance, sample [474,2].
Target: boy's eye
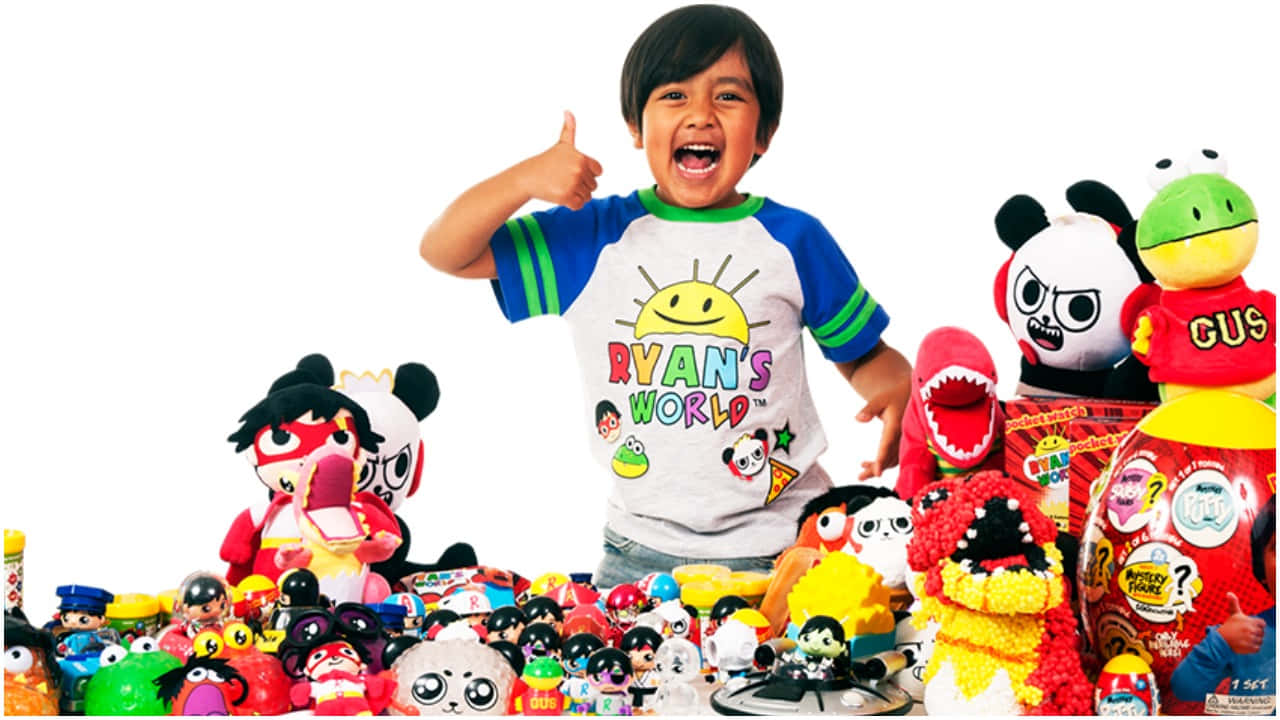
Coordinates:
[728,96]
[672,95]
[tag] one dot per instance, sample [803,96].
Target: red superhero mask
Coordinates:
[297,439]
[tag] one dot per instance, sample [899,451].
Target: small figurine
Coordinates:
[342,532]
[203,686]
[415,611]
[542,695]
[31,679]
[1207,328]
[953,424]
[659,588]
[722,610]
[609,673]
[589,619]
[82,621]
[472,604]
[1126,686]
[731,651]
[392,616]
[624,605]
[539,640]
[258,595]
[677,664]
[505,623]
[821,649]
[641,646]
[203,603]
[452,677]
[544,609]
[125,683]
[330,654]
[577,651]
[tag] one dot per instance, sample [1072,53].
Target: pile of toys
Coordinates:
[1104,543]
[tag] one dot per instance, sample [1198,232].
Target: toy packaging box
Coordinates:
[1057,446]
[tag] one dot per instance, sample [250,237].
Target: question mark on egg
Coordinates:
[1155,485]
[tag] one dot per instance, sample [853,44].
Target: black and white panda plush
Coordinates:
[1063,289]
[396,404]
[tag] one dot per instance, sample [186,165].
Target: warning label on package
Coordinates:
[1239,704]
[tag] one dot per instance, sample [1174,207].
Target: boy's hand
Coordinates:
[1244,634]
[889,406]
[561,175]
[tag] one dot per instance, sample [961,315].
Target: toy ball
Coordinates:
[1171,531]
[1126,686]
[125,681]
[659,587]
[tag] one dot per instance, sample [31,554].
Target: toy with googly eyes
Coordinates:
[125,683]
[1063,289]
[869,522]
[266,685]
[1207,328]
[203,686]
[300,414]
[748,455]
[337,656]
[452,677]
[31,679]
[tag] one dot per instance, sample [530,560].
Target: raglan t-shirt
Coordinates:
[687,325]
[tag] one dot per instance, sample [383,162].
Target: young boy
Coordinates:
[686,302]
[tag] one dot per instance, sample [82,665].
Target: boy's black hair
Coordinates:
[686,41]
[1264,529]
[604,407]
[292,395]
[853,497]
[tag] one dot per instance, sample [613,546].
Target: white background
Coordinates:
[193,196]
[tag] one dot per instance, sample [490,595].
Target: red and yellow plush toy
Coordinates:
[992,578]
[953,423]
[1207,329]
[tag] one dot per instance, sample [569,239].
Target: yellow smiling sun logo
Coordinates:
[694,306]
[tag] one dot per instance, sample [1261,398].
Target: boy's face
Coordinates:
[699,134]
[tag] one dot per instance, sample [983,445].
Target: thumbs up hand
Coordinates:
[1243,633]
[562,175]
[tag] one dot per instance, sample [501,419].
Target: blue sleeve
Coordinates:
[544,259]
[842,316]
[1203,668]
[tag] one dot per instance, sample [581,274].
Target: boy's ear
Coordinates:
[637,140]
[761,147]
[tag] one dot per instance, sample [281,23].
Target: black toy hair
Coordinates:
[641,636]
[608,660]
[415,385]
[540,632]
[818,623]
[604,407]
[301,586]
[728,605]
[305,388]
[203,589]
[439,617]
[1264,529]
[686,41]
[853,497]
[18,631]
[170,684]
[504,617]
[580,645]
[542,605]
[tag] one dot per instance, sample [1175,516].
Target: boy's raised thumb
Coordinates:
[1233,604]
[570,127]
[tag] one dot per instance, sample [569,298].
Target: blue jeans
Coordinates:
[626,560]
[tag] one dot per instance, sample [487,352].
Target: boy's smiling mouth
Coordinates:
[697,160]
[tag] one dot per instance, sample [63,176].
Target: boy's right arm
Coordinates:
[458,241]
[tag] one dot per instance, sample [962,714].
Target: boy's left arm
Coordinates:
[883,378]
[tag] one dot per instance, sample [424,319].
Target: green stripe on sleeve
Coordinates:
[838,321]
[544,264]
[526,268]
[854,328]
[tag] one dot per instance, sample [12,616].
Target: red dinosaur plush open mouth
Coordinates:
[960,406]
[326,500]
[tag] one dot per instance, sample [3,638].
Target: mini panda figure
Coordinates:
[1063,291]
[749,454]
[452,677]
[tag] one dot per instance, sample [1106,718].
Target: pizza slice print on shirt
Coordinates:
[694,306]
